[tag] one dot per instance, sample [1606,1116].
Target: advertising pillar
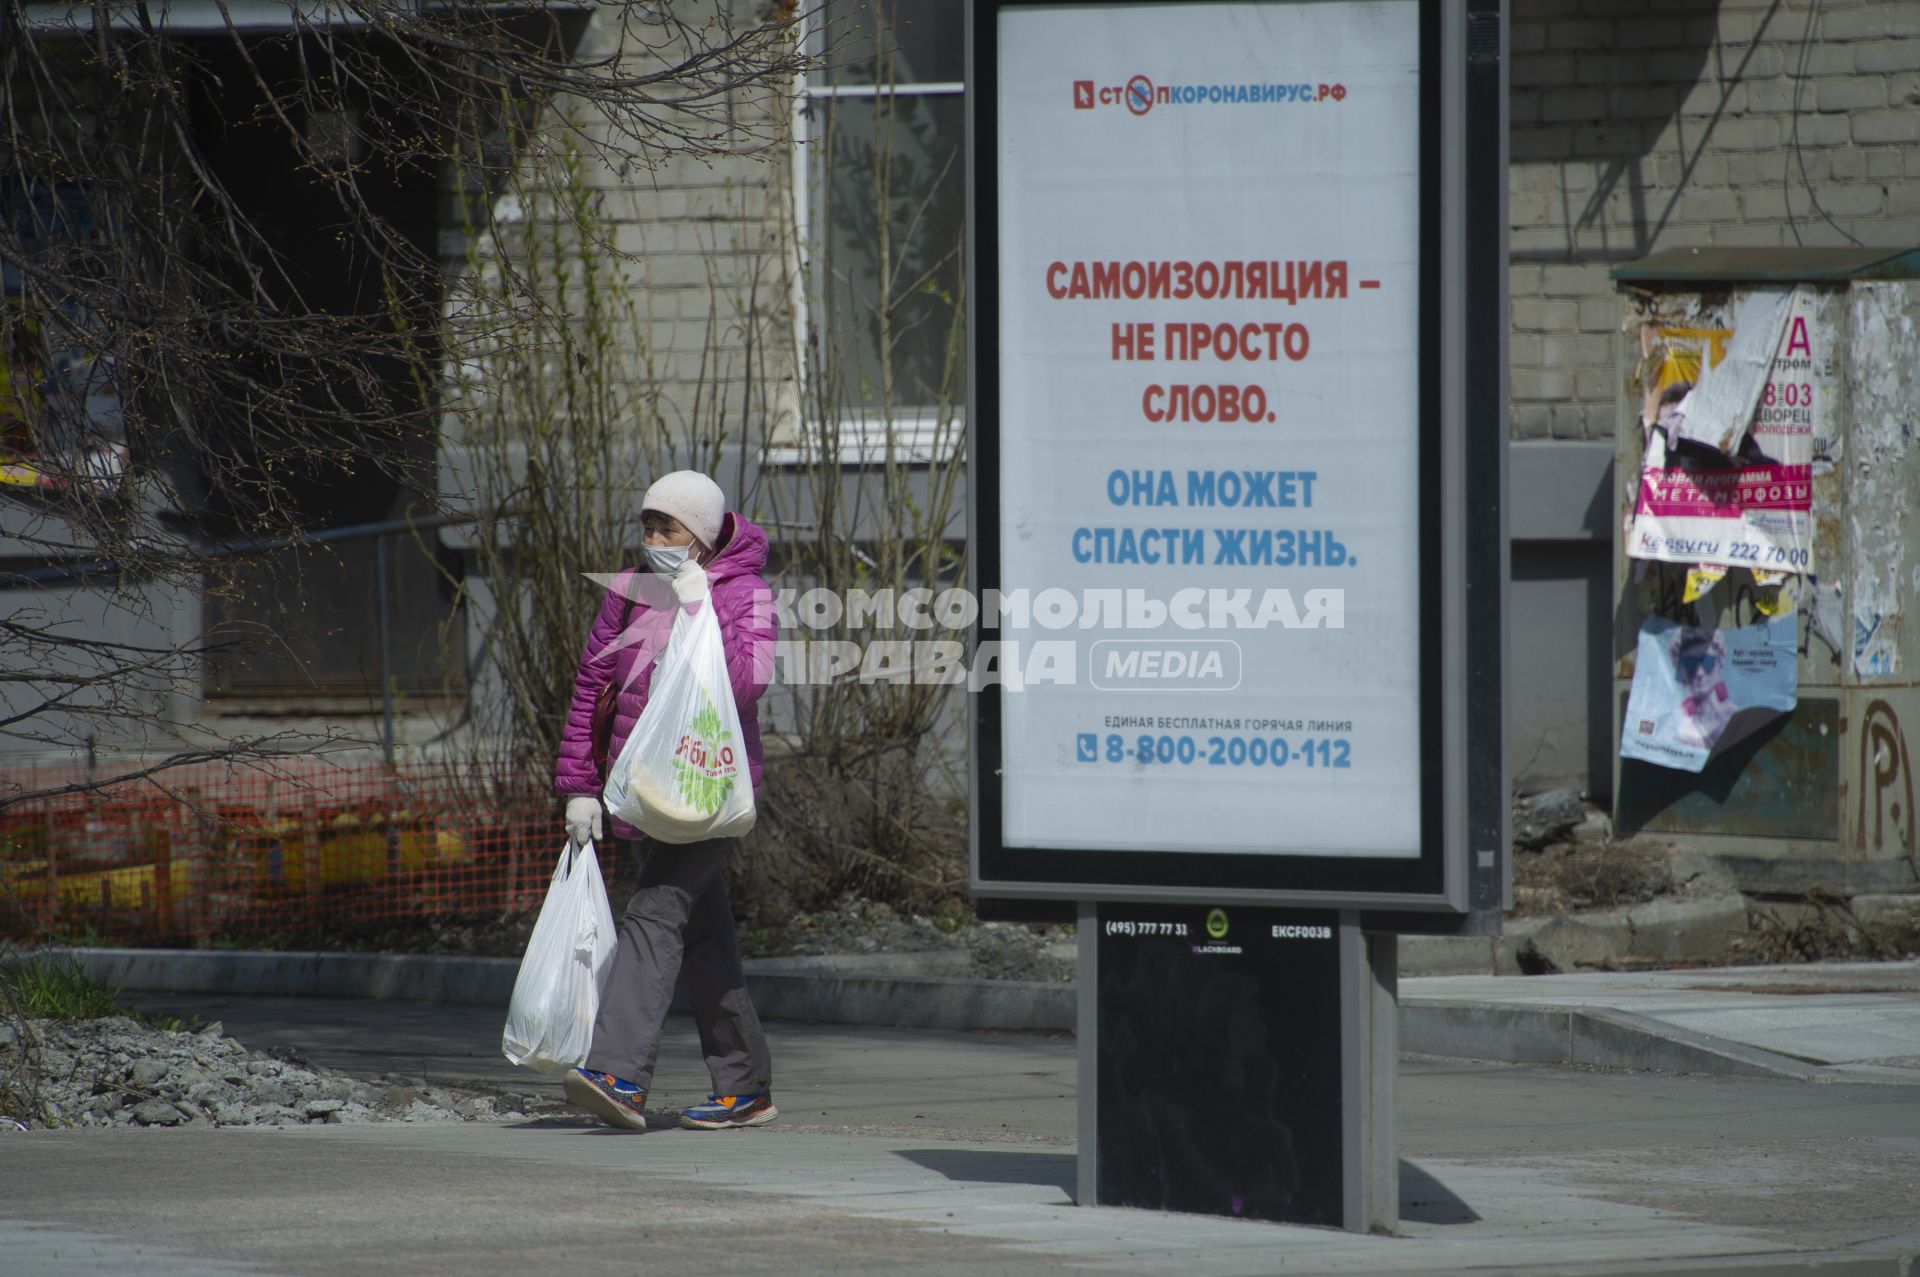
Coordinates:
[1222,516]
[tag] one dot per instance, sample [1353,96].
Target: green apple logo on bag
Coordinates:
[703,761]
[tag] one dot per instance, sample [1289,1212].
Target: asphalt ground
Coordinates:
[827,1078]
[929,1151]
[1831,1021]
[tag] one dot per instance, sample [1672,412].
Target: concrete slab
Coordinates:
[1837,1015]
[910,1150]
[34,1248]
[505,1199]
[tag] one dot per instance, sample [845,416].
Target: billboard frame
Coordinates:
[1436,882]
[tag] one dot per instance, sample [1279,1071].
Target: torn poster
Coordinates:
[1697,691]
[1826,618]
[1793,422]
[1876,624]
[1774,598]
[1701,578]
[1717,412]
[1674,355]
[1755,507]
[1751,516]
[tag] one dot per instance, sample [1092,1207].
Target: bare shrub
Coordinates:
[1831,932]
[868,826]
[1600,875]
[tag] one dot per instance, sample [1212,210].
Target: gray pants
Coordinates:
[681,922]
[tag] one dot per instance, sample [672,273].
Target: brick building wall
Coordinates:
[1640,125]
[713,277]
[709,243]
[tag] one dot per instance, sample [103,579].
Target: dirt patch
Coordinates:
[1597,875]
[1828,931]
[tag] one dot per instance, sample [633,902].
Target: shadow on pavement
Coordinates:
[978,1166]
[1425,1200]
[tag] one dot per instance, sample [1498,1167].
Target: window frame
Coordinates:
[860,437]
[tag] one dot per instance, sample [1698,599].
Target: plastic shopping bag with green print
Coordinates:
[682,774]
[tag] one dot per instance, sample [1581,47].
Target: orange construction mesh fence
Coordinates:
[219,854]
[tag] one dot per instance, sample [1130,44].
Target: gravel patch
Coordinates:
[119,1072]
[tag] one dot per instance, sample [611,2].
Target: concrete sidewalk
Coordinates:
[503,1201]
[1837,1022]
[932,1151]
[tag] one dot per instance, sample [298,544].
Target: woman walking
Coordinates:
[679,921]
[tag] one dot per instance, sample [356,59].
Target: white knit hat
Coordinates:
[692,498]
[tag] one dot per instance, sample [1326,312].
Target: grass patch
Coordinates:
[60,989]
[952,916]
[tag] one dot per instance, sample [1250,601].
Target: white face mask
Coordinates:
[666,559]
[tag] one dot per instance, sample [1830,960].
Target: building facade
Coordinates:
[798,302]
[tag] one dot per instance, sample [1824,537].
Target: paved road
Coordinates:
[826,1077]
[993,1086]
[936,1153]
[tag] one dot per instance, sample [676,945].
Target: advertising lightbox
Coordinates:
[1206,416]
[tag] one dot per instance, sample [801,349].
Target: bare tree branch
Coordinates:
[241,270]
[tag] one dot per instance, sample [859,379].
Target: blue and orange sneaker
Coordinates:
[722,1111]
[611,1098]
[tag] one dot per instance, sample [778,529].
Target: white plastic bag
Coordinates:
[569,957]
[682,776]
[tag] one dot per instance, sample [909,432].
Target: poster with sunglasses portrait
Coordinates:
[1696,691]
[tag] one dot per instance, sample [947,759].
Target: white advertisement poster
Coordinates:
[1696,691]
[1208,284]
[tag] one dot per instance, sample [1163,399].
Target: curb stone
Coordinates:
[780,992]
[1682,929]
[1666,930]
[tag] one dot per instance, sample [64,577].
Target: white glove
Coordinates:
[584,822]
[690,585]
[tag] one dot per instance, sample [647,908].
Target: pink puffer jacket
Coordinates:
[742,603]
